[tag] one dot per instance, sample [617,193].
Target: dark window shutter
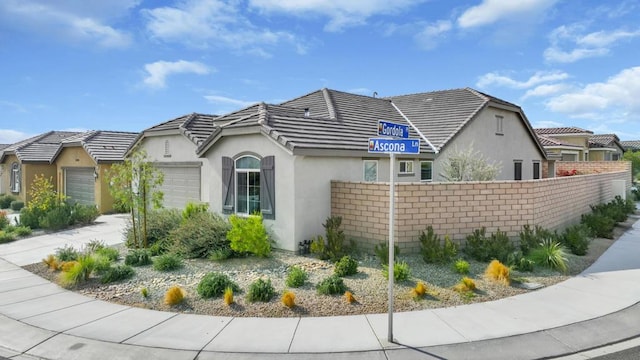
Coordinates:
[268,187]
[227,185]
[517,171]
[536,170]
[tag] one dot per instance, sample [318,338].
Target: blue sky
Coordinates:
[130,64]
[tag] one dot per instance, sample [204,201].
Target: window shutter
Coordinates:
[227,185]
[268,188]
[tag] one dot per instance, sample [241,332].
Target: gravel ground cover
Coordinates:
[369,286]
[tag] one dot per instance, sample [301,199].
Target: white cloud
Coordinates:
[620,94]
[222,100]
[539,77]
[606,38]
[211,23]
[341,13]
[546,90]
[432,33]
[582,46]
[8,136]
[556,55]
[491,11]
[67,20]
[159,70]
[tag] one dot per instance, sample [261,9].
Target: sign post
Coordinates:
[400,143]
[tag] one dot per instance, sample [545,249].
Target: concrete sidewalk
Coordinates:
[39,319]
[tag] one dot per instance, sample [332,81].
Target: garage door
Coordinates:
[80,185]
[181,185]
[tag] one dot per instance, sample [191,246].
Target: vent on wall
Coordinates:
[167,149]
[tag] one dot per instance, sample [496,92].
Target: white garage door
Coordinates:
[80,185]
[181,185]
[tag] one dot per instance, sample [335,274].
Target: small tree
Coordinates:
[469,165]
[634,157]
[134,184]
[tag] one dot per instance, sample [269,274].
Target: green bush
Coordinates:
[576,238]
[167,262]
[17,205]
[117,273]
[4,220]
[331,285]
[296,277]
[600,225]
[220,254]
[482,248]
[261,290]
[346,266]
[461,266]
[102,264]
[200,234]
[30,218]
[550,254]
[6,200]
[84,214]
[159,225]
[248,234]
[67,253]
[531,238]
[194,208]
[334,247]
[6,236]
[22,230]
[80,272]
[433,250]
[382,252]
[401,271]
[519,262]
[214,284]
[110,253]
[57,218]
[138,257]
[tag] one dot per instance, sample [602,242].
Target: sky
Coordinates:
[130,64]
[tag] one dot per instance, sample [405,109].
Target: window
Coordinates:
[426,170]
[167,149]
[370,172]
[517,170]
[248,186]
[406,167]
[536,170]
[499,123]
[615,157]
[15,177]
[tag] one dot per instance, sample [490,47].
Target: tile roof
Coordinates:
[196,127]
[563,131]
[630,145]
[548,141]
[330,119]
[604,140]
[4,146]
[103,146]
[40,148]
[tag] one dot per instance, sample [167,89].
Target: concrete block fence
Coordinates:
[456,209]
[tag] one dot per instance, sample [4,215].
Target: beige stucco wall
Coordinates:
[30,171]
[515,143]
[6,177]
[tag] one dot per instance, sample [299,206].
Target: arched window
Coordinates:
[15,177]
[247,185]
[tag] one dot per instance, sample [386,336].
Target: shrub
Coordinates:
[576,238]
[220,254]
[531,238]
[433,250]
[79,272]
[4,220]
[497,271]
[465,285]
[174,296]
[482,248]
[138,257]
[67,253]
[228,296]
[334,247]
[296,277]
[519,262]
[382,252]
[550,254]
[22,230]
[348,296]
[6,236]
[144,292]
[319,248]
[56,218]
[461,266]
[159,225]
[260,290]
[117,273]
[83,214]
[110,253]
[51,262]
[600,225]
[102,264]
[331,285]
[66,266]
[93,246]
[200,234]
[248,234]
[167,262]
[419,290]
[401,271]
[30,218]
[288,299]
[194,208]
[214,284]
[6,200]
[346,266]
[17,205]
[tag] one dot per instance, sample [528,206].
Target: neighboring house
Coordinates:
[566,143]
[82,162]
[2,186]
[605,147]
[172,145]
[557,151]
[22,161]
[280,159]
[630,145]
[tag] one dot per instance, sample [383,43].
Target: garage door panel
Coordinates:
[181,185]
[80,185]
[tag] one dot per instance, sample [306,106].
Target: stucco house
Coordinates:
[171,146]
[566,143]
[3,189]
[280,159]
[82,162]
[605,147]
[22,161]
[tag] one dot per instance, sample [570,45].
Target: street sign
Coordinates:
[394,146]
[386,128]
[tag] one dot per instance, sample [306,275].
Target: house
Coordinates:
[171,146]
[2,186]
[630,145]
[605,147]
[566,143]
[23,161]
[82,162]
[280,159]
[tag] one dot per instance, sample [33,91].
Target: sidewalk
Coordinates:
[39,319]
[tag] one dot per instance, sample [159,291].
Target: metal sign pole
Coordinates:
[391,246]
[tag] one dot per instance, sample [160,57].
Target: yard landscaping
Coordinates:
[190,268]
